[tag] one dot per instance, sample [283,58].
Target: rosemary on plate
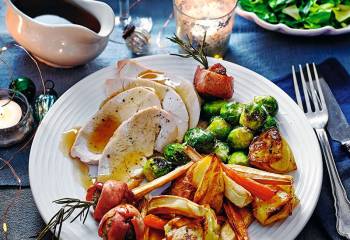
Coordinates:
[197,53]
[68,208]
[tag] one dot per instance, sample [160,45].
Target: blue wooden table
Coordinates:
[268,53]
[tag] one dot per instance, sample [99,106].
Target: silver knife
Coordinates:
[338,127]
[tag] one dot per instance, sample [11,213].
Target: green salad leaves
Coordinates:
[305,14]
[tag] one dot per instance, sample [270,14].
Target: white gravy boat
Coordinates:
[65,45]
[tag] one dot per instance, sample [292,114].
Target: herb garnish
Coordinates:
[197,53]
[69,206]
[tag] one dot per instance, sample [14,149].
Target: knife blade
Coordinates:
[338,127]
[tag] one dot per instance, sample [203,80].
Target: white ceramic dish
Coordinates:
[53,176]
[283,28]
[61,45]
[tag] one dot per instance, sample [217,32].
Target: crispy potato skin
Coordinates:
[202,184]
[183,187]
[270,152]
[277,208]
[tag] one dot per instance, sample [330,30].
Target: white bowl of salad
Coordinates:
[298,17]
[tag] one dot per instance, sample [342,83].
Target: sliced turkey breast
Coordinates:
[135,140]
[129,70]
[170,100]
[95,134]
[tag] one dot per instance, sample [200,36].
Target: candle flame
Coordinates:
[4,227]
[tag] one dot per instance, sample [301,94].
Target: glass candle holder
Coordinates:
[16,117]
[213,18]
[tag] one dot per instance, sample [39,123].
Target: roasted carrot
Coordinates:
[155,222]
[257,189]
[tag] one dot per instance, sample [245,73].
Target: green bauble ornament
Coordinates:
[24,85]
[44,102]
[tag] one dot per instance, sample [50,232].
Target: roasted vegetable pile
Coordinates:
[305,14]
[238,133]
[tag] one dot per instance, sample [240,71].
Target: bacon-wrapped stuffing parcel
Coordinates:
[213,82]
[122,222]
[108,195]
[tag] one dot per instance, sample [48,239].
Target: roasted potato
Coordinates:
[207,177]
[183,187]
[167,204]
[270,152]
[181,228]
[277,208]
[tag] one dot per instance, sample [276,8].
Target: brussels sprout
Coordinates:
[240,137]
[175,154]
[269,103]
[239,158]
[212,108]
[214,118]
[222,150]
[219,128]
[231,112]
[156,167]
[253,116]
[270,122]
[200,139]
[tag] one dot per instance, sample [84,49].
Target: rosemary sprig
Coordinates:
[68,208]
[197,53]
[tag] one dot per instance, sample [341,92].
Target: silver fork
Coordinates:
[317,114]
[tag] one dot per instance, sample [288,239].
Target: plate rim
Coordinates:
[284,29]
[243,69]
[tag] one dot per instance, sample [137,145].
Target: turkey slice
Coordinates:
[171,101]
[95,134]
[135,140]
[129,70]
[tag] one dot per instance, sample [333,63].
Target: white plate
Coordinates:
[283,28]
[53,176]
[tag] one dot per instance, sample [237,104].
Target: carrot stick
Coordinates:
[257,189]
[153,221]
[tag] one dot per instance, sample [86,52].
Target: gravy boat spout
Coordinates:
[80,36]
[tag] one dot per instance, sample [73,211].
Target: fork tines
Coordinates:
[317,103]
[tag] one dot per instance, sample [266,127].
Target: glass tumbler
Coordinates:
[213,18]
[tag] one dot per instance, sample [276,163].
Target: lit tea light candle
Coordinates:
[213,18]
[10,113]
